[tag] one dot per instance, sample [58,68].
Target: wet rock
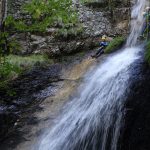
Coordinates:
[15,124]
[136,132]
[30,89]
[7,119]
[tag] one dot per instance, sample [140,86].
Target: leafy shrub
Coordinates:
[7,45]
[8,70]
[115,44]
[3,38]
[147,53]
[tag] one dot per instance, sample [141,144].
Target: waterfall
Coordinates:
[137,21]
[92,120]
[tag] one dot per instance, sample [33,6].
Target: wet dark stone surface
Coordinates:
[26,93]
[136,132]
[18,102]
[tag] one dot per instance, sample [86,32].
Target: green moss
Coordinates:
[70,32]
[8,71]
[147,53]
[115,44]
[27,61]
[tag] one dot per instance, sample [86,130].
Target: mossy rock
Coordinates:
[16,65]
[114,45]
[147,53]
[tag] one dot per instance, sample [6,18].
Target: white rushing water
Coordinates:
[93,119]
[137,21]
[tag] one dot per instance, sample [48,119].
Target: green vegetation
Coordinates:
[7,46]
[28,61]
[7,71]
[43,14]
[115,44]
[147,53]
[12,66]
[38,15]
[15,65]
[71,32]
[88,1]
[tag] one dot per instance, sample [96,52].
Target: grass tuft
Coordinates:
[27,62]
[115,44]
[15,65]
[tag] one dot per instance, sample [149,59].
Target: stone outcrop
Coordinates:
[3,10]
[95,23]
[0,11]
[14,7]
[136,131]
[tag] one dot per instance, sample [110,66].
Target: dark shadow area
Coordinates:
[136,133]
[20,100]
[105,5]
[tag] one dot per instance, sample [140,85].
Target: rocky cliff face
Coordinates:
[0,11]
[96,21]
[14,7]
[136,131]
[3,10]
